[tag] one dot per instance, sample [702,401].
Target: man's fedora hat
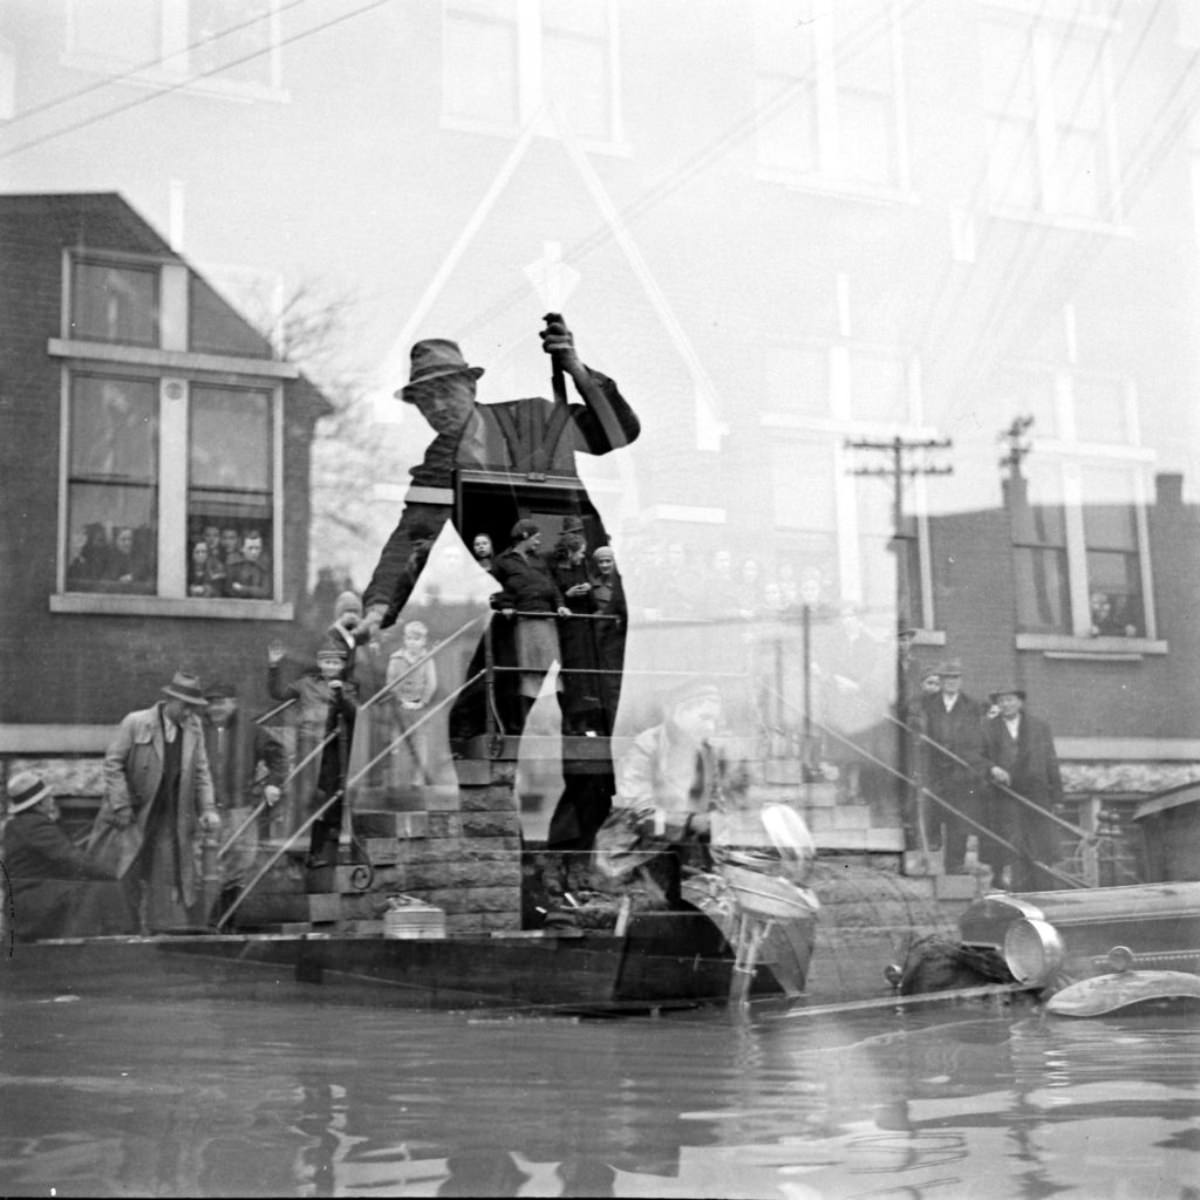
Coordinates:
[572,525]
[25,789]
[951,666]
[1007,691]
[186,687]
[435,358]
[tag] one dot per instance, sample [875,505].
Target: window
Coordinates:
[221,46]
[503,59]
[878,387]
[112,494]
[111,303]
[889,566]
[1048,98]
[1078,507]
[828,92]
[797,380]
[173,449]
[230,494]
[1040,555]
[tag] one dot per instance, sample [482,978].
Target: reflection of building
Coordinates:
[139,409]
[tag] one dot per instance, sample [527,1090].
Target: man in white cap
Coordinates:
[54,888]
[157,779]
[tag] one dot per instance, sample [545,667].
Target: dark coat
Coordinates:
[960,784]
[526,584]
[521,435]
[50,892]
[1032,764]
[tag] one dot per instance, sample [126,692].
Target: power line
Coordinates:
[182,83]
[148,65]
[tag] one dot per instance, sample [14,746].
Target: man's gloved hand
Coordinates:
[271,795]
[210,820]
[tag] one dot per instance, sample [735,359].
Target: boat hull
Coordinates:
[664,960]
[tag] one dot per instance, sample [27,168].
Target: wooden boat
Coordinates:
[660,961]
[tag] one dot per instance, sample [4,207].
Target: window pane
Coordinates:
[479,69]
[1101,411]
[878,388]
[230,534]
[1043,603]
[242,54]
[112,496]
[1012,165]
[114,429]
[587,17]
[113,538]
[797,380]
[787,128]
[115,304]
[1078,172]
[1076,84]
[1038,511]
[1115,594]
[1109,511]
[865,137]
[575,73]
[128,30]
[1007,68]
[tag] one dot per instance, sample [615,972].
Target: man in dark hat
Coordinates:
[519,435]
[1019,754]
[157,779]
[953,760]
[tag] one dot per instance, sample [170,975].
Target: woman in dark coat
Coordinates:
[528,588]
[55,889]
[576,634]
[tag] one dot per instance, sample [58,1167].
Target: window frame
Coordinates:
[173,69]
[528,83]
[1069,456]
[1043,40]
[174,369]
[830,430]
[828,123]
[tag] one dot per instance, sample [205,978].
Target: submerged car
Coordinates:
[1114,946]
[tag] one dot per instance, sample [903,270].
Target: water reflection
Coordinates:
[191,1098]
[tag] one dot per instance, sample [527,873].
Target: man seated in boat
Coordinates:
[668,784]
[55,889]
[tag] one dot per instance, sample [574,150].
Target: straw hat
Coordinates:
[25,789]
[186,687]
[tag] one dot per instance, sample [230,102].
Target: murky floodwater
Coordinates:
[116,1096]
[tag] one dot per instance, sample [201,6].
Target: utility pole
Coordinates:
[1018,444]
[1016,503]
[901,467]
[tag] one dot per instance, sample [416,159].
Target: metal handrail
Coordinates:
[923,791]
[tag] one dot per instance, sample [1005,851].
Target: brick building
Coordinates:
[137,410]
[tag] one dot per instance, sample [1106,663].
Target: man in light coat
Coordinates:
[157,780]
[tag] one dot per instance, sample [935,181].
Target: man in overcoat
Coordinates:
[533,437]
[1020,756]
[157,780]
[953,759]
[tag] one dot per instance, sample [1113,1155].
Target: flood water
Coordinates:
[131,1096]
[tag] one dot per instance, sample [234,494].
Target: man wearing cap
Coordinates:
[1019,755]
[524,436]
[953,759]
[54,888]
[347,632]
[157,779]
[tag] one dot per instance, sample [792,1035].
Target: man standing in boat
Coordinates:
[531,437]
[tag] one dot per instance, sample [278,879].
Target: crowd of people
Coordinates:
[117,560]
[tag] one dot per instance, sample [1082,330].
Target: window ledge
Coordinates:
[824,185]
[1065,221]
[189,82]
[613,147]
[169,606]
[930,637]
[171,360]
[1097,649]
